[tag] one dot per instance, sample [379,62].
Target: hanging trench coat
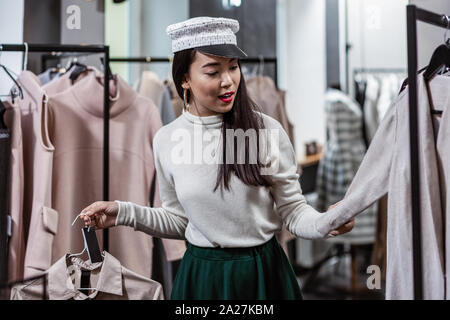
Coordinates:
[386,169]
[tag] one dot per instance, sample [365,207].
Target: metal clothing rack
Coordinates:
[148,59]
[79,49]
[415,14]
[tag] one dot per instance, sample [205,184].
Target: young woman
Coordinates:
[232,252]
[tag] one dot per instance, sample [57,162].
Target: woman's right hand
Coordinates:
[347,227]
[100,214]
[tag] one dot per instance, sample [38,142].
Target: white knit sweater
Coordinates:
[244,216]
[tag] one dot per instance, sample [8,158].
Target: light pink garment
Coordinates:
[38,216]
[76,117]
[63,83]
[110,279]
[16,245]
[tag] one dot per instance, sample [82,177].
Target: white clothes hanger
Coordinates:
[25,57]
[84,249]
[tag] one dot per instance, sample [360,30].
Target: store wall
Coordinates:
[148,23]
[11,31]
[117,34]
[306,64]
[377,35]
[428,36]
[281,43]
[91,28]
[42,24]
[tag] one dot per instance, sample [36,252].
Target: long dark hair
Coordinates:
[241,116]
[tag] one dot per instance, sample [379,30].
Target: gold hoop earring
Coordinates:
[186,103]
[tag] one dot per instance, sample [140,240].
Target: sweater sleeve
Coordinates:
[298,216]
[371,182]
[168,221]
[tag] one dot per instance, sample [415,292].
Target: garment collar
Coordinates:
[89,92]
[209,120]
[61,287]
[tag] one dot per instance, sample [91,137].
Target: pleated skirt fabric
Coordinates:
[255,273]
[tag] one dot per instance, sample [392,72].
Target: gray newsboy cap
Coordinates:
[210,35]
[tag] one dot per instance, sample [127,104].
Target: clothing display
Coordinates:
[151,87]
[49,75]
[108,280]
[182,215]
[254,273]
[343,154]
[370,107]
[376,91]
[386,169]
[63,82]
[271,101]
[177,102]
[60,134]
[379,89]
[117,181]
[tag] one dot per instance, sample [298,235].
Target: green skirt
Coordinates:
[256,273]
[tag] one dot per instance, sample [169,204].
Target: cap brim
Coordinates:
[223,50]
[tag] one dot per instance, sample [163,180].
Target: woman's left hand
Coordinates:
[347,227]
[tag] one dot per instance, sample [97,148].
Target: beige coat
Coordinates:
[386,169]
[109,278]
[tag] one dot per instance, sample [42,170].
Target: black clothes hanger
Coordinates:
[108,67]
[405,82]
[440,60]
[93,249]
[439,63]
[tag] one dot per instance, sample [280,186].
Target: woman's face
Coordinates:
[213,82]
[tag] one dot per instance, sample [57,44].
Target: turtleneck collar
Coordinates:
[89,92]
[208,120]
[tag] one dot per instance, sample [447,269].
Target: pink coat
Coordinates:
[76,130]
[40,220]
[16,245]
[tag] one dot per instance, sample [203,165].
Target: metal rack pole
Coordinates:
[414,149]
[106,141]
